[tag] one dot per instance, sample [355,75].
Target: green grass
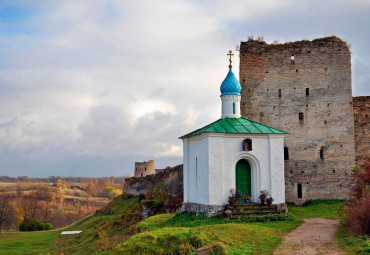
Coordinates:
[188,232]
[103,231]
[352,244]
[116,229]
[184,240]
[329,209]
[27,242]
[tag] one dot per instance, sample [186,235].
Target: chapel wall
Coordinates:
[196,171]
[274,79]
[361,108]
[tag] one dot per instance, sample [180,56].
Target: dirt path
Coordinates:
[314,236]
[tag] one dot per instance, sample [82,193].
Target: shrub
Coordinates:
[358,221]
[362,180]
[30,225]
[161,193]
[34,225]
[47,226]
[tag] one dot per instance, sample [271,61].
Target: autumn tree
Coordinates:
[61,183]
[6,209]
[47,201]
[90,188]
[28,206]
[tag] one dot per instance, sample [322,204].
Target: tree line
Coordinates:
[52,179]
[39,206]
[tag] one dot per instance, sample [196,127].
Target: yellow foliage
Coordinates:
[19,212]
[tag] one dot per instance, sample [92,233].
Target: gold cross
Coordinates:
[230,55]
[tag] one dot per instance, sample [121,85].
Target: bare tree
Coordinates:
[6,209]
[29,205]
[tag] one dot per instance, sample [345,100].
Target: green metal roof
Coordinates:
[235,126]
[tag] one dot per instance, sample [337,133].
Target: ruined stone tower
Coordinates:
[305,89]
[145,168]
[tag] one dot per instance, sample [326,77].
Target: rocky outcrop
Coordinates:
[171,177]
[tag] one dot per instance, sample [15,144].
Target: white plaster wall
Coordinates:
[233,152]
[185,153]
[277,168]
[227,106]
[217,176]
[196,179]
[223,151]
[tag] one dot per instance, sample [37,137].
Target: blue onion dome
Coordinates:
[230,86]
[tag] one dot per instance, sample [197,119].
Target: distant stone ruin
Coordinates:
[171,177]
[145,168]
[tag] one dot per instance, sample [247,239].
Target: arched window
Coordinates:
[247,144]
[233,108]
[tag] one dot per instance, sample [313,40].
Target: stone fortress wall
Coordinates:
[361,108]
[304,88]
[145,168]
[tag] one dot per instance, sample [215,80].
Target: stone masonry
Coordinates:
[145,168]
[361,108]
[304,88]
[171,177]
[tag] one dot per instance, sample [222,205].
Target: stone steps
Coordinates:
[251,210]
[255,213]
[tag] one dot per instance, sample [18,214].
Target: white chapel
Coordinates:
[232,152]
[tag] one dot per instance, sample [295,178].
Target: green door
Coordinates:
[243,178]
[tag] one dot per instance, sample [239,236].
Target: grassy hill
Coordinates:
[117,229]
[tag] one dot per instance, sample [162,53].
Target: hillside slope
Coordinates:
[118,229]
[110,226]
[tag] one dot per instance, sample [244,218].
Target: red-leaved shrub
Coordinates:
[358,218]
[358,221]
[362,180]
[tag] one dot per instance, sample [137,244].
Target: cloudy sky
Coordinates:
[89,87]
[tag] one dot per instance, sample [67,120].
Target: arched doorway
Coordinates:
[243,178]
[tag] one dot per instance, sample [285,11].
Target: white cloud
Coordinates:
[123,77]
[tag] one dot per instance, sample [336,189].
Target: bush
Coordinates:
[34,225]
[362,180]
[47,226]
[358,221]
[30,225]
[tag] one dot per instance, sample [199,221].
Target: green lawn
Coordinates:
[352,244]
[181,234]
[28,242]
[114,231]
